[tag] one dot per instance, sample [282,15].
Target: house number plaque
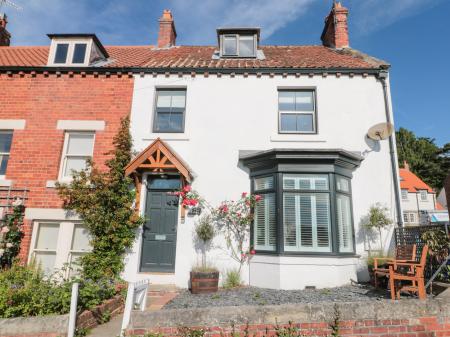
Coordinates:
[160,237]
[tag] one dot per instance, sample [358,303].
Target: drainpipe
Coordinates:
[382,76]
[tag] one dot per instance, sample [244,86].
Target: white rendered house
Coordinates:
[289,123]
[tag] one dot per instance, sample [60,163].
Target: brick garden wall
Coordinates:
[406,318]
[42,100]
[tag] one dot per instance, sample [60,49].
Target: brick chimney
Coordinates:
[167,33]
[335,32]
[5,36]
[405,165]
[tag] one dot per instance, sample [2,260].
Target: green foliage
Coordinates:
[232,279]
[287,331]
[437,241]
[205,229]
[104,201]
[190,332]
[26,291]
[429,161]
[377,219]
[11,235]
[335,324]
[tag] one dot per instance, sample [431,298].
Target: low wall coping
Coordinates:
[283,314]
[34,325]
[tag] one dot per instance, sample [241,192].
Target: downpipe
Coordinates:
[382,76]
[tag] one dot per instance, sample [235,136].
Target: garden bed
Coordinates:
[258,296]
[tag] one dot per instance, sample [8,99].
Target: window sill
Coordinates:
[167,136]
[298,138]
[310,254]
[52,183]
[5,182]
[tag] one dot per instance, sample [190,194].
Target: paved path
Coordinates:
[157,297]
[110,329]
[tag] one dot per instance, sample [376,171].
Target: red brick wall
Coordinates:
[42,100]
[414,327]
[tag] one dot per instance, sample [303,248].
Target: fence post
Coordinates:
[128,308]
[73,310]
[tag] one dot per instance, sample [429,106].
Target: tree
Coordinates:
[377,220]
[104,201]
[427,160]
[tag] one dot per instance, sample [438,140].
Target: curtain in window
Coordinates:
[265,223]
[344,221]
[307,222]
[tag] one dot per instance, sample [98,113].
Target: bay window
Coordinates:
[306,202]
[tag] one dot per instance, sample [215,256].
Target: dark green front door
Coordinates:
[160,228]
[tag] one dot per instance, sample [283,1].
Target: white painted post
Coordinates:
[129,302]
[73,310]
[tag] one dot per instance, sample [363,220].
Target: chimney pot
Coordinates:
[5,36]
[335,32]
[167,33]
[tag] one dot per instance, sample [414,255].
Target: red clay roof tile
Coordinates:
[202,57]
[411,182]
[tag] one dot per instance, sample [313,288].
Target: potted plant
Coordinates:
[204,278]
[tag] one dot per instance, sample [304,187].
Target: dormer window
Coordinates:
[76,50]
[238,42]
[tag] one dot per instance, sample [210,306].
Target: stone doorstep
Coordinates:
[160,295]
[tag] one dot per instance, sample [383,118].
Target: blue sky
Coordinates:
[410,34]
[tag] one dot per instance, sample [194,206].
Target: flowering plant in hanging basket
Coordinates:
[189,197]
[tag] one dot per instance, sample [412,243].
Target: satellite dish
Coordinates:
[380,131]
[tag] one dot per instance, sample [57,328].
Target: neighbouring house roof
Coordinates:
[439,207]
[411,182]
[186,57]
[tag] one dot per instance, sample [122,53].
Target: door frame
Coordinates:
[142,212]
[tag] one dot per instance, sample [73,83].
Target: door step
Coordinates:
[159,295]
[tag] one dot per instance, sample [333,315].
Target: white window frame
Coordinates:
[71,42]
[237,37]
[287,112]
[404,194]
[63,248]
[3,176]
[62,166]
[423,195]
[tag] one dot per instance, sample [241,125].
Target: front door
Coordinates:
[160,227]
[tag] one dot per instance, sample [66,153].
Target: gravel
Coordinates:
[259,296]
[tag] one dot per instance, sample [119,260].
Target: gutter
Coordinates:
[189,70]
[382,76]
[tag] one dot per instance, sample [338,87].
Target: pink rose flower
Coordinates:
[5,229]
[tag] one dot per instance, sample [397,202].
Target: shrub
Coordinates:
[26,291]
[11,235]
[232,279]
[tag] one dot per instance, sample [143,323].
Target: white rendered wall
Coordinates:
[225,115]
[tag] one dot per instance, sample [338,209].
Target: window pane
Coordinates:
[229,45]
[246,46]
[5,141]
[162,121]
[46,260]
[423,195]
[344,221]
[164,99]
[75,267]
[305,123]
[79,53]
[61,52]
[178,99]
[306,222]
[176,122]
[3,164]
[47,236]
[265,183]
[265,223]
[305,182]
[342,184]
[80,240]
[74,164]
[304,101]
[405,217]
[286,100]
[288,122]
[80,144]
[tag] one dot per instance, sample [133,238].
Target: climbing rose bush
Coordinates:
[233,219]
[189,197]
[11,235]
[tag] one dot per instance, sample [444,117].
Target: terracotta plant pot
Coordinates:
[204,282]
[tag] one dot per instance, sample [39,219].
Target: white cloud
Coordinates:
[201,18]
[372,15]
